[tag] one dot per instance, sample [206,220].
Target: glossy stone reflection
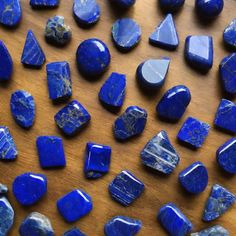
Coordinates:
[171,5]
[215,230]
[229,34]
[74,232]
[44,3]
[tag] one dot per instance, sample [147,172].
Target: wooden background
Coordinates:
[206,94]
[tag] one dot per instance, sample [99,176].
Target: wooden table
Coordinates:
[206,94]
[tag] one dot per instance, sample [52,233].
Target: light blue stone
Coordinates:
[229,34]
[44,3]
[171,5]
[74,232]
[215,230]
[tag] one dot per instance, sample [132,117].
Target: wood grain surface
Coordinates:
[206,94]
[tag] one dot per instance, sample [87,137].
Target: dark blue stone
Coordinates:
[44,3]
[97,160]
[93,57]
[219,201]
[215,230]
[59,80]
[125,188]
[122,226]
[32,54]
[50,151]
[74,205]
[131,123]
[23,108]
[151,74]
[165,35]
[112,93]
[194,178]
[199,52]
[171,5]
[174,103]
[36,224]
[86,12]
[174,221]
[124,3]
[74,232]
[72,118]
[193,132]
[229,34]
[126,34]
[159,154]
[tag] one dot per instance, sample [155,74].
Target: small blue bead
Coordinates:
[171,5]
[229,34]
[29,188]
[23,108]
[122,226]
[174,221]
[74,205]
[44,3]
[194,178]
[215,230]
[125,188]
[74,232]
[126,34]
[124,3]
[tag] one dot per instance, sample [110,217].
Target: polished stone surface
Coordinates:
[29,188]
[124,3]
[171,5]
[194,178]
[125,188]
[229,34]
[174,221]
[44,3]
[74,205]
[159,154]
[174,103]
[3,189]
[215,230]
[23,108]
[219,201]
[74,232]
[165,35]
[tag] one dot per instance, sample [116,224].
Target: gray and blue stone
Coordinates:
[59,80]
[32,54]
[126,34]
[159,154]
[122,226]
[174,103]
[74,205]
[23,108]
[229,34]
[112,92]
[171,5]
[215,230]
[29,188]
[194,178]
[125,188]
[131,123]
[3,189]
[36,224]
[165,35]
[193,132]
[124,3]
[174,221]
[44,3]
[74,232]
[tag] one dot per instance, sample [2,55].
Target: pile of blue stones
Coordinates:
[93,58]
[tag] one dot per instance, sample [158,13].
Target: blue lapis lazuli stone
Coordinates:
[131,123]
[72,118]
[194,178]
[126,34]
[3,189]
[174,103]
[74,232]
[74,205]
[171,5]
[59,80]
[215,230]
[125,188]
[97,160]
[32,54]
[112,93]
[122,226]
[23,108]
[159,154]
[165,35]
[193,132]
[124,3]
[29,188]
[229,34]
[219,201]
[44,3]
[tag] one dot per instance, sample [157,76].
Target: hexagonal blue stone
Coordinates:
[44,3]
[125,188]
[74,232]
[229,34]
[171,5]
[215,230]
[74,205]
[123,3]
[29,188]
[23,108]
[194,178]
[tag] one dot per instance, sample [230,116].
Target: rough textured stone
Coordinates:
[215,230]
[44,3]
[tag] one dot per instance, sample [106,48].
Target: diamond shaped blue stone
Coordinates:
[159,154]
[123,3]
[229,34]
[44,3]
[74,232]
[215,230]
[171,5]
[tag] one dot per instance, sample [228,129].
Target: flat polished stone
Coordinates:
[159,154]
[23,108]
[131,123]
[171,5]
[215,230]
[124,3]
[74,232]
[125,188]
[229,34]
[122,226]
[194,178]
[174,221]
[74,205]
[174,103]
[44,3]
[126,34]
[29,188]
[165,35]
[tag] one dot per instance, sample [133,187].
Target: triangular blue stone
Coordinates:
[165,34]
[44,3]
